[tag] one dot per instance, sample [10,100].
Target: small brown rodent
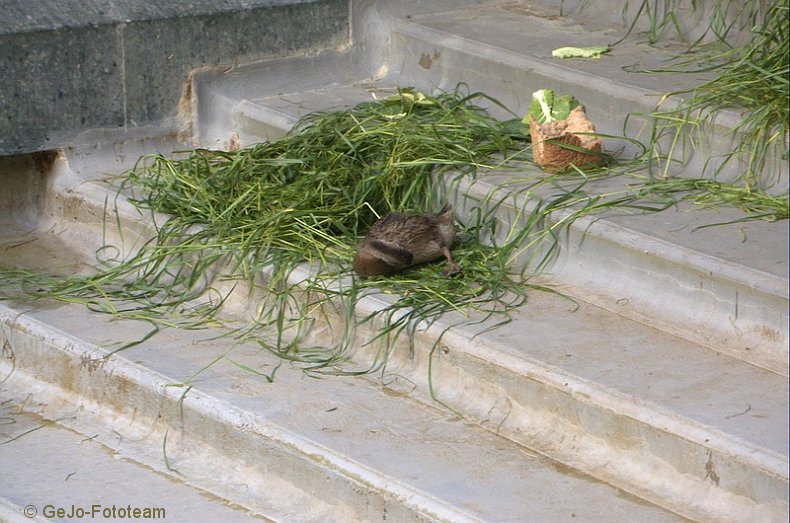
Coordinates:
[398,241]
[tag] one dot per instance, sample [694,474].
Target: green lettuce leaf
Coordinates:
[580,52]
[547,107]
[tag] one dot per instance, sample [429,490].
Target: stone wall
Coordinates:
[72,68]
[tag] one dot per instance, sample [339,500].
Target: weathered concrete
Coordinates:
[668,382]
[296,449]
[597,392]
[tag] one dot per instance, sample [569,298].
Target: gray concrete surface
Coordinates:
[618,409]
[296,449]
[663,396]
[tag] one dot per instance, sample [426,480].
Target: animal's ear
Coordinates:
[393,252]
[446,209]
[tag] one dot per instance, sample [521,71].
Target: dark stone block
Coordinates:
[71,66]
[156,79]
[64,79]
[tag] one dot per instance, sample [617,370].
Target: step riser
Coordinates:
[647,281]
[575,422]
[726,316]
[511,78]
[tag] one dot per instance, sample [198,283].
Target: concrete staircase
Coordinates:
[662,395]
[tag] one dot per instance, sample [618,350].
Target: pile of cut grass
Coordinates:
[308,196]
[250,218]
[751,78]
[718,21]
[305,199]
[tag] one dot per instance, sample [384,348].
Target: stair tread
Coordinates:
[353,423]
[75,472]
[533,32]
[619,357]
[760,247]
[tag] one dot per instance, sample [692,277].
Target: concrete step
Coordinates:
[725,287]
[599,393]
[214,440]
[662,396]
[504,50]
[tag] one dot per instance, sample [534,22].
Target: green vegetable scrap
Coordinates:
[547,107]
[580,52]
